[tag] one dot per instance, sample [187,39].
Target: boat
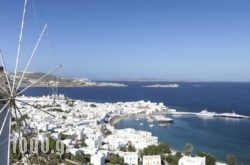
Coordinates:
[141,123]
[151,125]
[205,113]
[168,120]
[162,124]
[172,110]
[163,119]
[229,115]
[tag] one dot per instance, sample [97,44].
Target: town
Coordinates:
[86,129]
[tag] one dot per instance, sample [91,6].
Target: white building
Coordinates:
[151,160]
[188,160]
[74,151]
[97,159]
[140,139]
[131,158]
[94,141]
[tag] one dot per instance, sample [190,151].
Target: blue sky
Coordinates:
[194,40]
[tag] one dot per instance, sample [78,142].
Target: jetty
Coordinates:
[162,119]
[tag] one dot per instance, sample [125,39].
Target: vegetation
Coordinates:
[105,131]
[15,156]
[231,160]
[161,149]
[64,136]
[70,103]
[24,116]
[43,106]
[131,148]
[210,159]
[114,159]
[14,127]
[56,110]
[81,158]
[52,156]
[18,122]
[80,143]
[173,159]
[92,105]
[128,148]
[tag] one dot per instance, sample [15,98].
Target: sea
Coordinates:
[217,136]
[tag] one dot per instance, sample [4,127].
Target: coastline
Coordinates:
[117,119]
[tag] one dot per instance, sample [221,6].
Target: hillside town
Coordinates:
[87,129]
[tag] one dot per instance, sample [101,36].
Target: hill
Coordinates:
[60,81]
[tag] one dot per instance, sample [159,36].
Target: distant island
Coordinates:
[162,86]
[60,81]
[145,79]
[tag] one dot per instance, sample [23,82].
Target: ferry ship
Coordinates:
[205,113]
[229,115]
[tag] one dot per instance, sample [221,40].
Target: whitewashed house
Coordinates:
[97,159]
[131,158]
[188,160]
[151,160]
[94,141]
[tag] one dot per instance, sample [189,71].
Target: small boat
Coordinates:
[172,110]
[151,125]
[141,123]
[162,124]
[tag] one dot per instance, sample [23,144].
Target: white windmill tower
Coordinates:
[10,89]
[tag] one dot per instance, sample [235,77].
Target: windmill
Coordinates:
[10,88]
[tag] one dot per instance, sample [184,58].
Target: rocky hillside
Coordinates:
[3,86]
[59,81]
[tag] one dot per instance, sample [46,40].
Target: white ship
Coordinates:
[163,119]
[205,113]
[230,115]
